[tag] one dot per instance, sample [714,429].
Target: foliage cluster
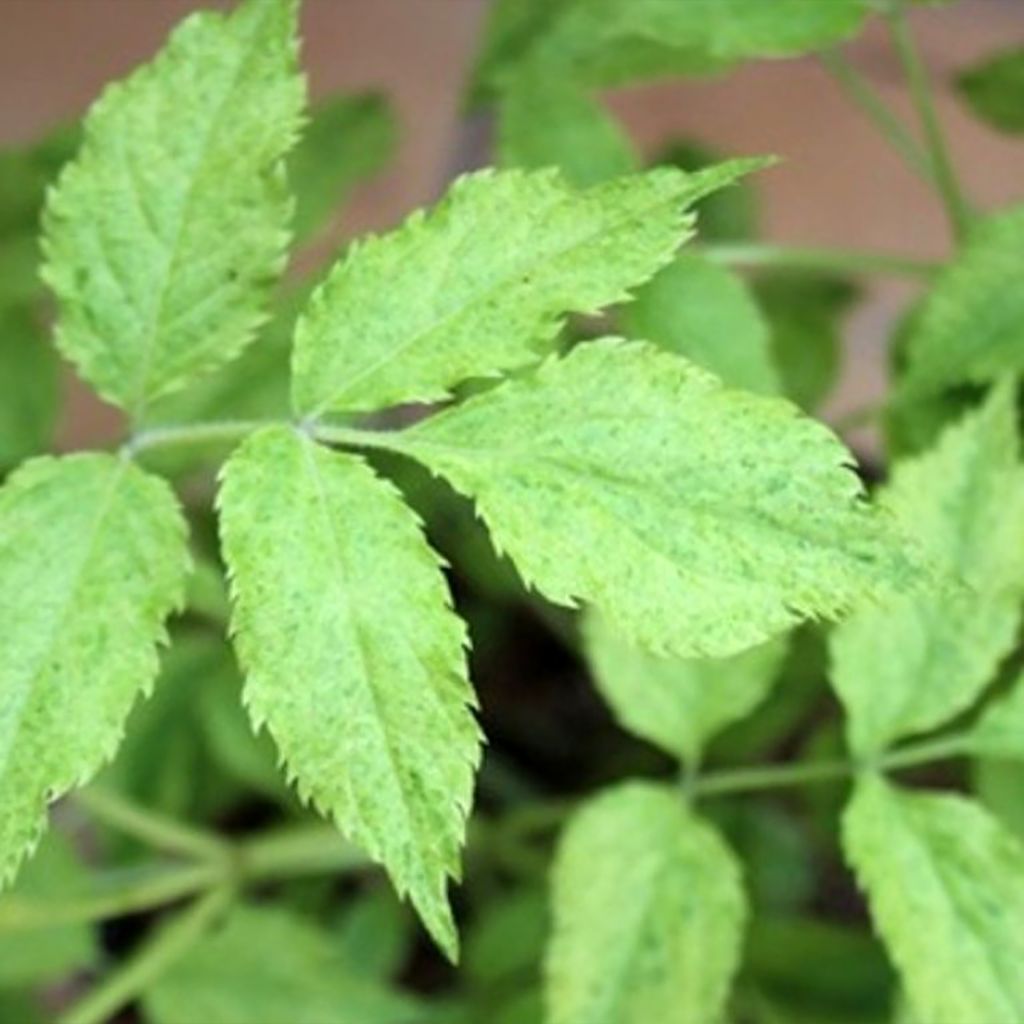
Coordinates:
[633,424]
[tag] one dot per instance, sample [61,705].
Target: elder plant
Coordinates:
[654,467]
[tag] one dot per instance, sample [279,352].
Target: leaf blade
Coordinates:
[648,914]
[707,314]
[908,664]
[269,964]
[593,476]
[946,888]
[968,330]
[374,722]
[163,236]
[82,609]
[503,258]
[677,703]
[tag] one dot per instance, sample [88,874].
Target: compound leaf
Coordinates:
[678,703]
[483,282]
[971,327]
[909,663]
[994,89]
[353,657]
[549,121]
[271,966]
[706,313]
[163,236]
[648,914]
[946,887]
[699,520]
[92,560]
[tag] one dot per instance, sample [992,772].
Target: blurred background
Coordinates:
[839,183]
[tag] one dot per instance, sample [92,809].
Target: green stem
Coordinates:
[129,894]
[864,96]
[291,852]
[852,261]
[957,209]
[153,829]
[232,431]
[746,780]
[224,431]
[943,748]
[295,851]
[138,973]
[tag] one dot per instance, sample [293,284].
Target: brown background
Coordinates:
[840,185]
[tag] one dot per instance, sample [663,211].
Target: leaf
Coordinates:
[910,663]
[676,703]
[507,940]
[946,888]
[516,29]
[613,42]
[706,313]
[353,657]
[545,121]
[994,90]
[999,731]
[832,970]
[92,560]
[348,138]
[971,328]
[375,933]
[660,36]
[164,235]
[272,966]
[483,282]
[648,914]
[28,387]
[804,313]
[698,520]
[31,956]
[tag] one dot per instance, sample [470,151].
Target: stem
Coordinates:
[856,87]
[155,889]
[745,780]
[226,431]
[230,431]
[755,254]
[957,209]
[153,829]
[293,852]
[169,943]
[925,752]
